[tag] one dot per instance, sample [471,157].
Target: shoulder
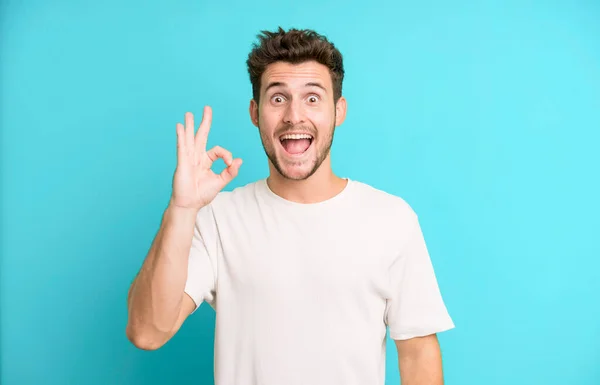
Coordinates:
[229,204]
[240,198]
[389,217]
[383,203]
[245,191]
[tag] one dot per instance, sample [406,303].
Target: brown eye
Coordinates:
[277,99]
[313,99]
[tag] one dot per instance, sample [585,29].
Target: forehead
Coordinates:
[296,75]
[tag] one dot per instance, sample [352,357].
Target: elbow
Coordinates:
[143,340]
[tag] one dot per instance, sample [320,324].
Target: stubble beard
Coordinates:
[321,154]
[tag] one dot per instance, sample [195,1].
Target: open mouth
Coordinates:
[296,144]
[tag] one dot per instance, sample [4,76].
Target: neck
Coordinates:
[320,186]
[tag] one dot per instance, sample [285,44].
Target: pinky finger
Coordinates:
[180,140]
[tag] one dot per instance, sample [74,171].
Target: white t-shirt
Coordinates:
[303,292]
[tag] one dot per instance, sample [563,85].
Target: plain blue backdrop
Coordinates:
[484,116]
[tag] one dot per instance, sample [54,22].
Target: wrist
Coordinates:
[181,211]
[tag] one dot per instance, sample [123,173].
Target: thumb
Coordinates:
[231,172]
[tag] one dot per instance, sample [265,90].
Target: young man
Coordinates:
[304,269]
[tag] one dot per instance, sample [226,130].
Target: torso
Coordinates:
[301,289]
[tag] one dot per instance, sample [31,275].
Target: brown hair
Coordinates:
[294,46]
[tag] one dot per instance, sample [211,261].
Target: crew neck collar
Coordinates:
[266,190]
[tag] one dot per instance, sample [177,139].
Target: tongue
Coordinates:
[296,146]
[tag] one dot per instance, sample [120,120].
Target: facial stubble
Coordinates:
[269,148]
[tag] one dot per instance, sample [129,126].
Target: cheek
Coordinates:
[268,123]
[269,116]
[323,119]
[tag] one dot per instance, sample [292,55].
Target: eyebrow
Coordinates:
[309,84]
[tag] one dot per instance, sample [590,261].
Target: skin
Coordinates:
[420,361]
[301,101]
[157,305]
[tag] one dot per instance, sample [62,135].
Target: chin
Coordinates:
[296,171]
[297,176]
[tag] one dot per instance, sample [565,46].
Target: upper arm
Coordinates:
[200,285]
[414,307]
[187,307]
[414,346]
[420,360]
[159,338]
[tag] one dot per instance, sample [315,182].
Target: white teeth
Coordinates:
[295,136]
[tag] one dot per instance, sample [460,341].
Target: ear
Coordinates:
[340,111]
[254,112]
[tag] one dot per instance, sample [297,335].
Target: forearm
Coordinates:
[420,362]
[156,294]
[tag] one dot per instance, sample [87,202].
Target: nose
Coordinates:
[294,114]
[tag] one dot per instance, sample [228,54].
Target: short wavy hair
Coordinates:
[294,46]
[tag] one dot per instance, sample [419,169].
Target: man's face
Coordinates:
[297,116]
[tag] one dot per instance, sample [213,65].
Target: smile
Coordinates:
[296,144]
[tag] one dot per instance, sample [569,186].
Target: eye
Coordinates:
[277,99]
[313,99]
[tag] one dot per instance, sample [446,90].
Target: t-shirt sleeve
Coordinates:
[202,260]
[415,307]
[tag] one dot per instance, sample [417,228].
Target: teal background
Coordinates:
[484,116]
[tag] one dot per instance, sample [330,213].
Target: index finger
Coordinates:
[202,134]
